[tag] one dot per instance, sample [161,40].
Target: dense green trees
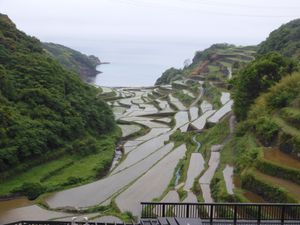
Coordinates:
[256,78]
[73,60]
[43,107]
[169,75]
[285,40]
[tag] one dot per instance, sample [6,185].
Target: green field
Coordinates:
[66,171]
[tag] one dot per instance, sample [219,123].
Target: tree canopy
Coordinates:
[43,107]
[256,78]
[285,40]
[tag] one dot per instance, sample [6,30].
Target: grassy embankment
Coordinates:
[68,170]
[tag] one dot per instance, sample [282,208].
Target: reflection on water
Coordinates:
[6,205]
[228,177]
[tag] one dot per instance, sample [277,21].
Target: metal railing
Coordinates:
[234,212]
[36,222]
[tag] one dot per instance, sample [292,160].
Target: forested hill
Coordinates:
[73,60]
[285,40]
[45,110]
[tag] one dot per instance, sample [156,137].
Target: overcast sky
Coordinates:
[234,21]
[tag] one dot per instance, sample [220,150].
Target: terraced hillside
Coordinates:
[157,157]
[273,173]
[217,63]
[181,141]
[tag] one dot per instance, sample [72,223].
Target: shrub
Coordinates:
[85,146]
[267,191]
[266,129]
[256,78]
[292,115]
[289,143]
[30,190]
[72,181]
[276,170]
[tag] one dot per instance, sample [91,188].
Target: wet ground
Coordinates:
[149,162]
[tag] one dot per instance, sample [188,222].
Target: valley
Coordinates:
[224,128]
[160,126]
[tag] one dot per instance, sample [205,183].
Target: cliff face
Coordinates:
[73,60]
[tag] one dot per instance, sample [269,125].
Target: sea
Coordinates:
[137,62]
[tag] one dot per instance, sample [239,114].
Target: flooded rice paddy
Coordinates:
[196,166]
[152,184]
[149,160]
[228,178]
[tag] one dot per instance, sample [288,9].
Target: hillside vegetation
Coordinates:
[46,111]
[265,147]
[285,40]
[263,151]
[258,77]
[73,60]
[215,63]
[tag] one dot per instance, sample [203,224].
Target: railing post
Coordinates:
[235,215]
[73,220]
[187,211]
[282,214]
[211,213]
[164,210]
[259,215]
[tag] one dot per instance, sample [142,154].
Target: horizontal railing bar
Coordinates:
[221,203]
[216,211]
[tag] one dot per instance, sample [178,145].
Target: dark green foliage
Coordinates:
[73,60]
[31,190]
[289,143]
[169,75]
[43,107]
[266,129]
[247,158]
[72,181]
[209,52]
[273,169]
[88,145]
[103,168]
[291,115]
[258,77]
[269,192]
[219,192]
[286,40]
